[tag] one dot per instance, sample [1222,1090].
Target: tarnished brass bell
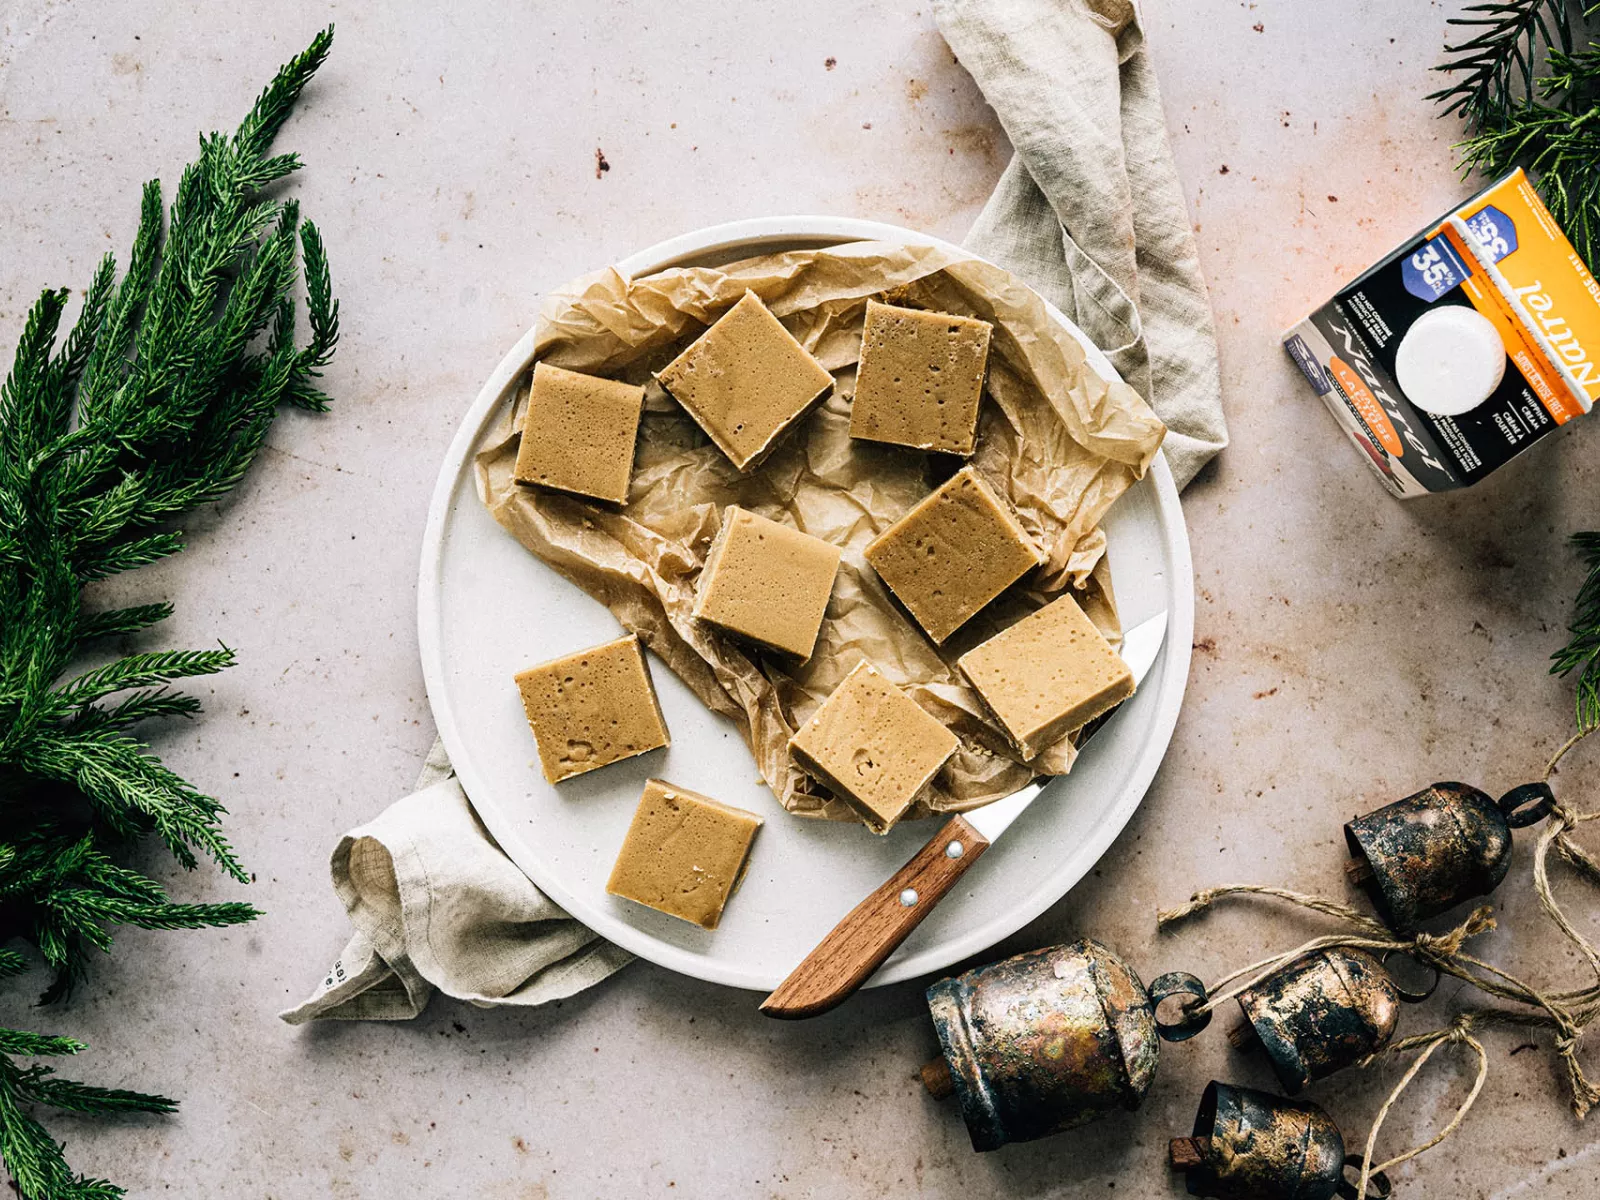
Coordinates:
[1423,855]
[1320,1013]
[1250,1145]
[1048,1040]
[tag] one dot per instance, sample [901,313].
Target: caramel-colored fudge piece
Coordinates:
[684,853]
[578,434]
[953,553]
[920,379]
[746,381]
[592,708]
[873,746]
[767,582]
[1050,673]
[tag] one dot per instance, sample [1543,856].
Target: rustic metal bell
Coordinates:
[1048,1040]
[1423,855]
[1250,1145]
[1320,1013]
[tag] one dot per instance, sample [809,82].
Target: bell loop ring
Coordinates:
[1527,805]
[1189,1022]
[1378,1185]
[1411,995]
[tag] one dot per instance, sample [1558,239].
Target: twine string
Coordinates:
[1577,856]
[1582,1005]
[1433,950]
[1458,1033]
[1557,832]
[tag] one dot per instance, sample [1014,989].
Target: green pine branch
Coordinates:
[1528,99]
[1493,68]
[75,894]
[1580,657]
[34,1158]
[156,401]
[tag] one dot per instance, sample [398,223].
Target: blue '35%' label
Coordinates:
[1435,267]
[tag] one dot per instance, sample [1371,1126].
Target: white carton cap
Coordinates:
[1450,361]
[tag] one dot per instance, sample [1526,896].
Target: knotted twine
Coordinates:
[1569,1013]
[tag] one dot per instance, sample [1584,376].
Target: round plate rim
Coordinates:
[1170,672]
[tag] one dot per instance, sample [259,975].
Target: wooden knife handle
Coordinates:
[869,934]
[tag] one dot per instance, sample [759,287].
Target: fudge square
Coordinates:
[747,381]
[953,553]
[920,379]
[873,746]
[684,853]
[767,582]
[1050,673]
[578,434]
[592,708]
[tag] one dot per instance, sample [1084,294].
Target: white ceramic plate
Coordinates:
[487,608]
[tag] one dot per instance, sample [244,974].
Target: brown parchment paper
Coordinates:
[1058,441]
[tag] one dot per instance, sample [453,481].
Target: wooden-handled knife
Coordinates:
[870,932]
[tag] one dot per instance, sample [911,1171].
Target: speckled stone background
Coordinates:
[1349,649]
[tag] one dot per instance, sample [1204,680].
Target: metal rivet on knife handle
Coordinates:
[859,944]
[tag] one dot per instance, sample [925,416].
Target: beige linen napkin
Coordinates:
[437,905]
[1090,213]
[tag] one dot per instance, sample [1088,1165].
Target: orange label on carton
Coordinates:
[1535,289]
[1372,414]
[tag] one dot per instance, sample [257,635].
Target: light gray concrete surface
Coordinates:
[1349,649]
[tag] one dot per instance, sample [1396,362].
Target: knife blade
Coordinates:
[870,932]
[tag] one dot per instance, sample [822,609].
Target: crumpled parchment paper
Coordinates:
[1058,441]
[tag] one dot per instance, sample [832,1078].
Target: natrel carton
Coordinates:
[1462,347]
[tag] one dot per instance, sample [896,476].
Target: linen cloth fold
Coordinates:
[1090,211]
[1091,214]
[437,905]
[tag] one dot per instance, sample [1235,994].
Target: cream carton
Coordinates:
[1461,348]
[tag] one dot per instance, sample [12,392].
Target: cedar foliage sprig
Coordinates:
[1581,655]
[1494,67]
[1529,100]
[157,401]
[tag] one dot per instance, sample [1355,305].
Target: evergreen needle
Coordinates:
[157,401]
